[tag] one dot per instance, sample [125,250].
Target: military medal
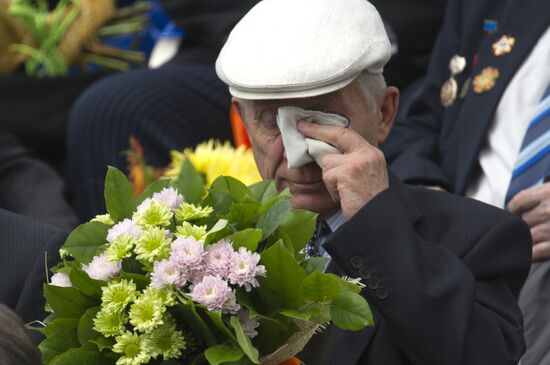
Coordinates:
[465,88]
[449,90]
[485,80]
[504,45]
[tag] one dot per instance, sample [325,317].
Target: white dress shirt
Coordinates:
[514,112]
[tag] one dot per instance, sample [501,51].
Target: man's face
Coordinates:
[306,182]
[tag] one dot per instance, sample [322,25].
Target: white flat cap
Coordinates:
[302,48]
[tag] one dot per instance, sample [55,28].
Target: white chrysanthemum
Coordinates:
[218,258]
[101,268]
[127,226]
[61,279]
[169,197]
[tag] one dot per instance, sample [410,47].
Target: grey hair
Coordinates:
[373,86]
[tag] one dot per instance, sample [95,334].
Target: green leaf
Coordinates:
[86,241]
[67,302]
[315,263]
[304,314]
[273,217]
[87,285]
[82,356]
[221,201]
[320,287]
[85,329]
[190,183]
[119,195]
[61,336]
[236,189]
[155,187]
[103,342]
[299,225]
[243,214]
[248,238]
[350,311]
[346,285]
[141,281]
[221,354]
[282,287]
[220,230]
[264,191]
[198,326]
[216,317]
[244,341]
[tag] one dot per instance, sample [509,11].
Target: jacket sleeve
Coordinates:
[412,148]
[440,308]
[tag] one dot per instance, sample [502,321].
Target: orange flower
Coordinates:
[291,361]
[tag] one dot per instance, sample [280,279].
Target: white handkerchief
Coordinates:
[299,149]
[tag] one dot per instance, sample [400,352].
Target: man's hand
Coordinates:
[533,206]
[357,175]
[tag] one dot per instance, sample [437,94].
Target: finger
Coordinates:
[331,161]
[535,216]
[541,232]
[330,178]
[345,139]
[541,251]
[526,199]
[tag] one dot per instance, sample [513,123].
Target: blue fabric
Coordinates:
[533,162]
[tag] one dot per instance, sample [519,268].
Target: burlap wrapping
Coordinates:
[92,15]
[295,344]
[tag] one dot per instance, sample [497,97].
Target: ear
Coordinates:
[388,111]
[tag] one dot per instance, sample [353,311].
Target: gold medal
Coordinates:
[504,45]
[486,80]
[449,90]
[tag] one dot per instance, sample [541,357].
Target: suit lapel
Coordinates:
[476,114]
[347,346]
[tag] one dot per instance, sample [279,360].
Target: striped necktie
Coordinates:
[312,248]
[533,161]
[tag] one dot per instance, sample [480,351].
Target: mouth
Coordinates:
[304,187]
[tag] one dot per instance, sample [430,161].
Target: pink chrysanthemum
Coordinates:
[218,258]
[169,197]
[231,306]
[187,253]
[101,268]
[245,268]
[126,226]
[248,324]
[166,272]
[212,292]
[61,279]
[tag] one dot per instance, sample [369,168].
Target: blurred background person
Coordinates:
[479,124]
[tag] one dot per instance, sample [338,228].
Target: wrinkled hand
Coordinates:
[533,206]
[357,175]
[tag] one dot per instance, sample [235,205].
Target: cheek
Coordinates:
[268,153]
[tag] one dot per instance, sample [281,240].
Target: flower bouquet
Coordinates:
[188,275]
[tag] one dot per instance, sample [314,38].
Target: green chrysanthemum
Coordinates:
[117,295]
[153,245]
[121,248]
[155,215]
[191,212]
[63,253]
[146,313]
[189,230]
[110,323]
[165,340]
[166,295]
[104,218]
[132,348]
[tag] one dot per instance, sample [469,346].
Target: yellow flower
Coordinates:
[215,159]
[189,230]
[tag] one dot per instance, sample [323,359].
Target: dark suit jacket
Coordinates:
[23,243]
[443,274]
[440,146]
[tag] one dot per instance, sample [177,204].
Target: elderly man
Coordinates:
[442,273]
